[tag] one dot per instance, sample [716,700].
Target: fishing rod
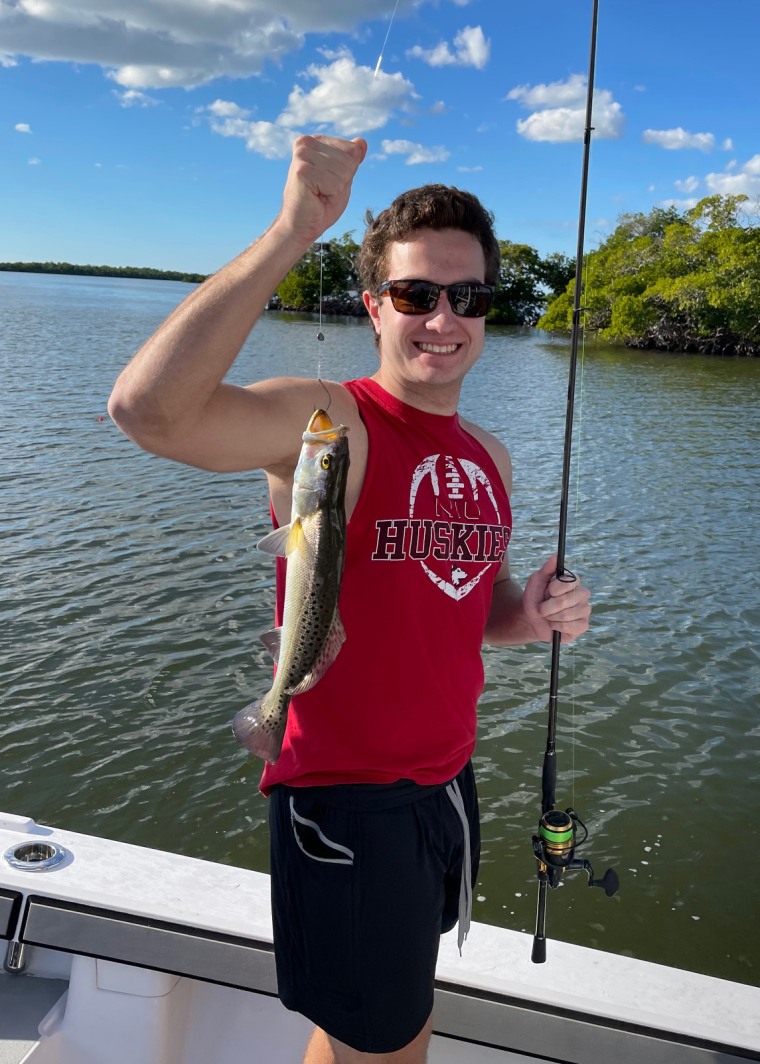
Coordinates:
[555,843]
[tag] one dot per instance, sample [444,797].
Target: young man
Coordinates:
[373,810]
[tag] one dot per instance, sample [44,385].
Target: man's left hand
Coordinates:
[553,605]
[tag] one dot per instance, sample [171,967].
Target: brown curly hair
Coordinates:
[427,207]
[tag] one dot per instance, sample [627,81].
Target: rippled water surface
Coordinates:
[132,597]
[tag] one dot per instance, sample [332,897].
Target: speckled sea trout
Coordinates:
[312,634]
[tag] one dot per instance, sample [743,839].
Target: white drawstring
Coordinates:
[465,889]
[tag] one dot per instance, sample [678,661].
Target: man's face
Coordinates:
[429,354]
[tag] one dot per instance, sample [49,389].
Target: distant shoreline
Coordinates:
[72,269]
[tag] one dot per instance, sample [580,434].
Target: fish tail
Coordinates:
[259,729]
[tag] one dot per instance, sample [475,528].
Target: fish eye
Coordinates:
[325,463]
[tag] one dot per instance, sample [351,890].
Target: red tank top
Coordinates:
[423,547]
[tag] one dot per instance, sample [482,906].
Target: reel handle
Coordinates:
[610,882]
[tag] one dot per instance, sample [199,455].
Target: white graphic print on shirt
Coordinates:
[454,528]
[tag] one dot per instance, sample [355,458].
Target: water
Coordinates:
[132,596]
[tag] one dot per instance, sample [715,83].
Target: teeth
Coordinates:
[439,349]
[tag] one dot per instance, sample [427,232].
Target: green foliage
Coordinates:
[72,269]
[518,298]
[557,271]
[335,260]
[688,282]
[674,280]
[525,282]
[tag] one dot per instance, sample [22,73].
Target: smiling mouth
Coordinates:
[438,349]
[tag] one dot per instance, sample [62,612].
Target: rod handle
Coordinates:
[538,954]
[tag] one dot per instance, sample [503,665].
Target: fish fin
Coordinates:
[256,729]
[282,541]
[336,637]
[272,640]
[274,542]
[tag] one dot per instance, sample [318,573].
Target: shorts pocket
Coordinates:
[314,843]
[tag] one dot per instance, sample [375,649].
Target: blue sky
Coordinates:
[157,134]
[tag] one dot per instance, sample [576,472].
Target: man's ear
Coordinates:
[373,309]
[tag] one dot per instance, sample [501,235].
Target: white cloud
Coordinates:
[347,99]
[34,162]
[270,139]
[559,111]
[133,98]
[555,94]
[164,43]
[732,182]
[416,153]
[471,49]
[23,127]
[469,169]
[226,109]
[728,144]
[680,204]
[678,139]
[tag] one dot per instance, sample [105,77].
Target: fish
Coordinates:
[314,543]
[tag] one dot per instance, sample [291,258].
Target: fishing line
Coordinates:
[382,50]
[320,334]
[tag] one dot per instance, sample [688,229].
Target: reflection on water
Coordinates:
[133,596]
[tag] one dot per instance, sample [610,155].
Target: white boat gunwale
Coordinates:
[462,1013]
[166,913]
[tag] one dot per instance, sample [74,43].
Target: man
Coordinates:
[373,809]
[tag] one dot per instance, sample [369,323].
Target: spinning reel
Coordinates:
[554,849]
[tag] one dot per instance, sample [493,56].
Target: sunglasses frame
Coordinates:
[483,290]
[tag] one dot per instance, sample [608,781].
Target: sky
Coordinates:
[158,132]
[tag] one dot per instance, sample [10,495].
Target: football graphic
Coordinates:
[459,498]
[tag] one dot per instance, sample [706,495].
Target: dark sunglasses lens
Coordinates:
[470,300]
[414,297]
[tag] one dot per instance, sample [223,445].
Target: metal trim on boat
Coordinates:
[10,906]
[563,1035]
[244,963]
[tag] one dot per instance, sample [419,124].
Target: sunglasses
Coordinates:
[467,299]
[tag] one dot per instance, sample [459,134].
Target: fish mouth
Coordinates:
[319,422]
[321,429]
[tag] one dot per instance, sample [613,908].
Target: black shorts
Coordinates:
[365,878]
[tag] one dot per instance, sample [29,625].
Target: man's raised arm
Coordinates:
[171,398]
